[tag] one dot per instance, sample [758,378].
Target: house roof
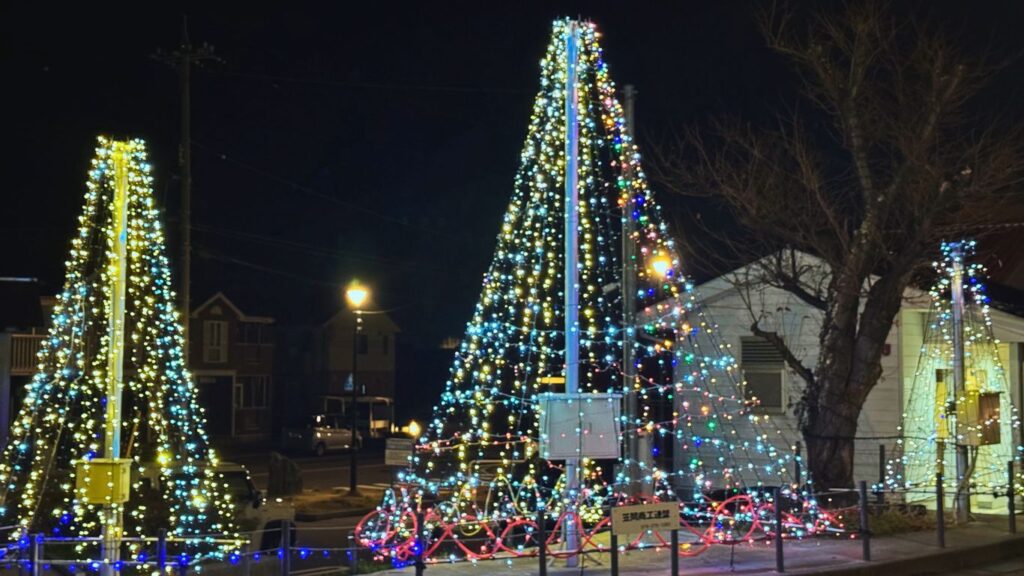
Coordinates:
[1007,299]
[20,307]
[221,297]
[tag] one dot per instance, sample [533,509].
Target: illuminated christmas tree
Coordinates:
[980,417]
[481,466]
[117,304]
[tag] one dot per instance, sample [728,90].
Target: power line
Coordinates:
[347,204]
[311,248]
[380,86]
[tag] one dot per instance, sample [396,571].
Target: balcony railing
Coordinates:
[24,349]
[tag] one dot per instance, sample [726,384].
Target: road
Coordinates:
[319,472]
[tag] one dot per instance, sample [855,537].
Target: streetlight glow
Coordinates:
[357,295]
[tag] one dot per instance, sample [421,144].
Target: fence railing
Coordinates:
[24,348]
[292,552]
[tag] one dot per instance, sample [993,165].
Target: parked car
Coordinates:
[255,517]
[321,434]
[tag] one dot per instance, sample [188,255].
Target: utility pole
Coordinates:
[183,59]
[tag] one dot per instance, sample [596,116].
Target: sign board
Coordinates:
[643,517]
[582,425]
[397,451]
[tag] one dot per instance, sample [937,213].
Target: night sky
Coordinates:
[334,141]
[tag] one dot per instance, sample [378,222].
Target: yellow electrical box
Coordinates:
[977,418]
[104,480]
[941,405]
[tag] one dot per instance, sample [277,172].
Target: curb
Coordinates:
[940,562]
[317,516]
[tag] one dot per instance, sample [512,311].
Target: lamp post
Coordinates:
[356,295]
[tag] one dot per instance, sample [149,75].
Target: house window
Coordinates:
[363,343]
[252,333]
[385,344]
[252,392]
[215,341]
[765,373]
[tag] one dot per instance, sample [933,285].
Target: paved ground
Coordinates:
[903,555]
[1013,567]
[318,473]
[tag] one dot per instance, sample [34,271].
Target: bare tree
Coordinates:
[901,155]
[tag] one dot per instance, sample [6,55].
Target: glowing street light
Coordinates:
[357,295]
[414,429]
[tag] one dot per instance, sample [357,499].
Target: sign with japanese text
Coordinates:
[642,517]
[397,451]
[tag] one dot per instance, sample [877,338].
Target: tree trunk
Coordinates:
[829,435]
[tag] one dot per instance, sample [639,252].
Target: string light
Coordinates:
[60,422]
[928,438]
[477,468]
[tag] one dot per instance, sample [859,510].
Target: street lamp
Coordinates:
[356,294]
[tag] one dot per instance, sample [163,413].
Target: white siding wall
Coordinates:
[800,323]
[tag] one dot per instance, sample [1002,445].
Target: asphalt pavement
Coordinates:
[318,472]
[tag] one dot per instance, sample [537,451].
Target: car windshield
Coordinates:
[237,485]
[321,421]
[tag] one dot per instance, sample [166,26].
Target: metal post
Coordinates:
[37,556]
[542,542]
[112,512]
[675,553]
[1011,506]
[161,550]
[865,532]
[247,559]
[614,543]
[286,548]
[881,474]
[353,554]
[780,565]
[353,461]
[571,274]
[962,502]
[940,514]
[420,544]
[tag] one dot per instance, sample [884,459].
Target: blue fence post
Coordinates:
[37,556]
[353,554]
[247,558]
[161,551]
[286,548]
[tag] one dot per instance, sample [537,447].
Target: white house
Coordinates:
[778,388]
